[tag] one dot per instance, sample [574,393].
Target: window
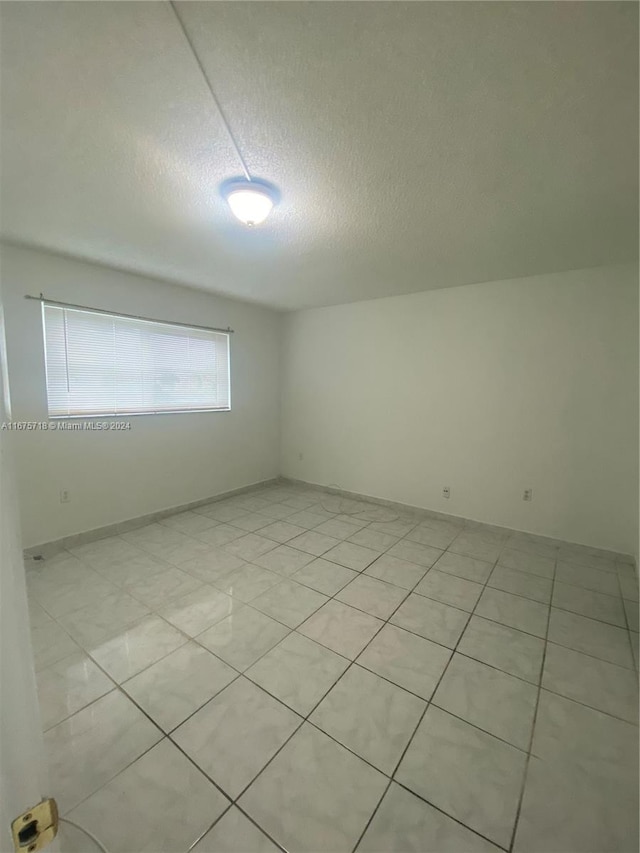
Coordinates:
[107,364]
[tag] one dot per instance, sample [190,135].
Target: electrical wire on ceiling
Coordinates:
[232,138]
[251,199]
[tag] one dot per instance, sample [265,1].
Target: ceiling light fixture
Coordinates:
[250,199]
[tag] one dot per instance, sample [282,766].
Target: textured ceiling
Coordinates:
[416,145]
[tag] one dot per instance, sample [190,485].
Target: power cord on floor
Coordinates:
[356,509]
[90,835]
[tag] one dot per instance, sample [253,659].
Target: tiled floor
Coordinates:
[267,673]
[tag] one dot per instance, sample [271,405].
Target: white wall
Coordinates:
[488,389]
[164,460]
[23,770]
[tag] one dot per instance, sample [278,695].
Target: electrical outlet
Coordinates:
[65,497]
[300,457]
[527,495]
[446,492]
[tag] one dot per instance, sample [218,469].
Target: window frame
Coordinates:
[145,320]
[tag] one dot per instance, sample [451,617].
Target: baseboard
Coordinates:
[47,549]
[428,513]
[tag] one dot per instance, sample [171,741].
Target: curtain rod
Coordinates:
[42,298]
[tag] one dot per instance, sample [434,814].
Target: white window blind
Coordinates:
[106,364]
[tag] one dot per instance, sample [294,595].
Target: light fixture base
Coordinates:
[251,201]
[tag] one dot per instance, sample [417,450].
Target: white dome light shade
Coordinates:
[249,206]
[250,201]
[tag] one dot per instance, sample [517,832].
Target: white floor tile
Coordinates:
[69,685]
[525,562]
[175,687]
[289,602]
[406,659]
[243,637]
[596,683]
[323,576]
[95,744]
[235,833]
[247,582]
[488,698]
[313,543]
[629,586]
[450,589]
[298,671]
[406,823]
[567,810]
[435,537]
[431,619]
[468,568]
[505,648]
[514,611]
[631,612]
[392,569]
[606,642]
[37,615]
[338,528]
[104,618]
[521,583]
[324,810]
[308,519]
[234,735]
[250,546]
[351,556]
[370,716]
[51,643]
[104,552]
[282,531]
[133,569]
[567,732]
[475,547]
[196,611]
[219,535]
[468,774]
[374,539]
[156,590]
[413,552]
[587,578]
[160,803]
[190,523]
[594,605]
[247,577]
[251,521]
[341,628]
[136,648]
[283,560]
[372,595]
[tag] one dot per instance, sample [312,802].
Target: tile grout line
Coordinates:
[130,626]
[164,735]
[352,662]
[535,717]
[154,612]
[398,605]
[306,718]
[626,619]
[422,716]
[284,577]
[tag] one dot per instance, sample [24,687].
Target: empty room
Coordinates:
[319,431]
